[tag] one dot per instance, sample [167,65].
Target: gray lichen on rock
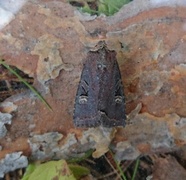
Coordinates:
[11,162]
[50,61]
[125,150]
[45,145]
[5,118]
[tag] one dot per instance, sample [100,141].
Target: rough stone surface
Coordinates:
[5,118]
[162,168]
[49,42]
[11,162]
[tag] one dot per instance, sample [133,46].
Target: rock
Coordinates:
[49,42]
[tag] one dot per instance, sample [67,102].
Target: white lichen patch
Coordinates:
[12,41]
[12,162]
[50,60]
[8,107]
[125,150]
[151,83]
[178,128]
[181,68]
[5,118]
[101,137]
[84,16]
[5,17]
[157,134]
[8,9]
[45,145]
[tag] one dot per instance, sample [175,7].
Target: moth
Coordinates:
[100,98]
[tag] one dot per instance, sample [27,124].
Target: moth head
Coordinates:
[83,99]
[99,45]
[118,99]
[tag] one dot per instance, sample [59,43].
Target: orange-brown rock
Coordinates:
[49,42]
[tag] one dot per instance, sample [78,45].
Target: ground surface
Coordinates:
[49,42]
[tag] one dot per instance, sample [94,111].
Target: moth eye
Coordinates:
[118,99]
[83,100]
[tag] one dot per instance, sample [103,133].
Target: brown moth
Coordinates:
[100,98]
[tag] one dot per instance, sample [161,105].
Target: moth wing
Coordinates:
[85,110]
[113,113]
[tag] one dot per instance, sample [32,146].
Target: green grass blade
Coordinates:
[79,159]
[28,85]
[118,166]
[135,168]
